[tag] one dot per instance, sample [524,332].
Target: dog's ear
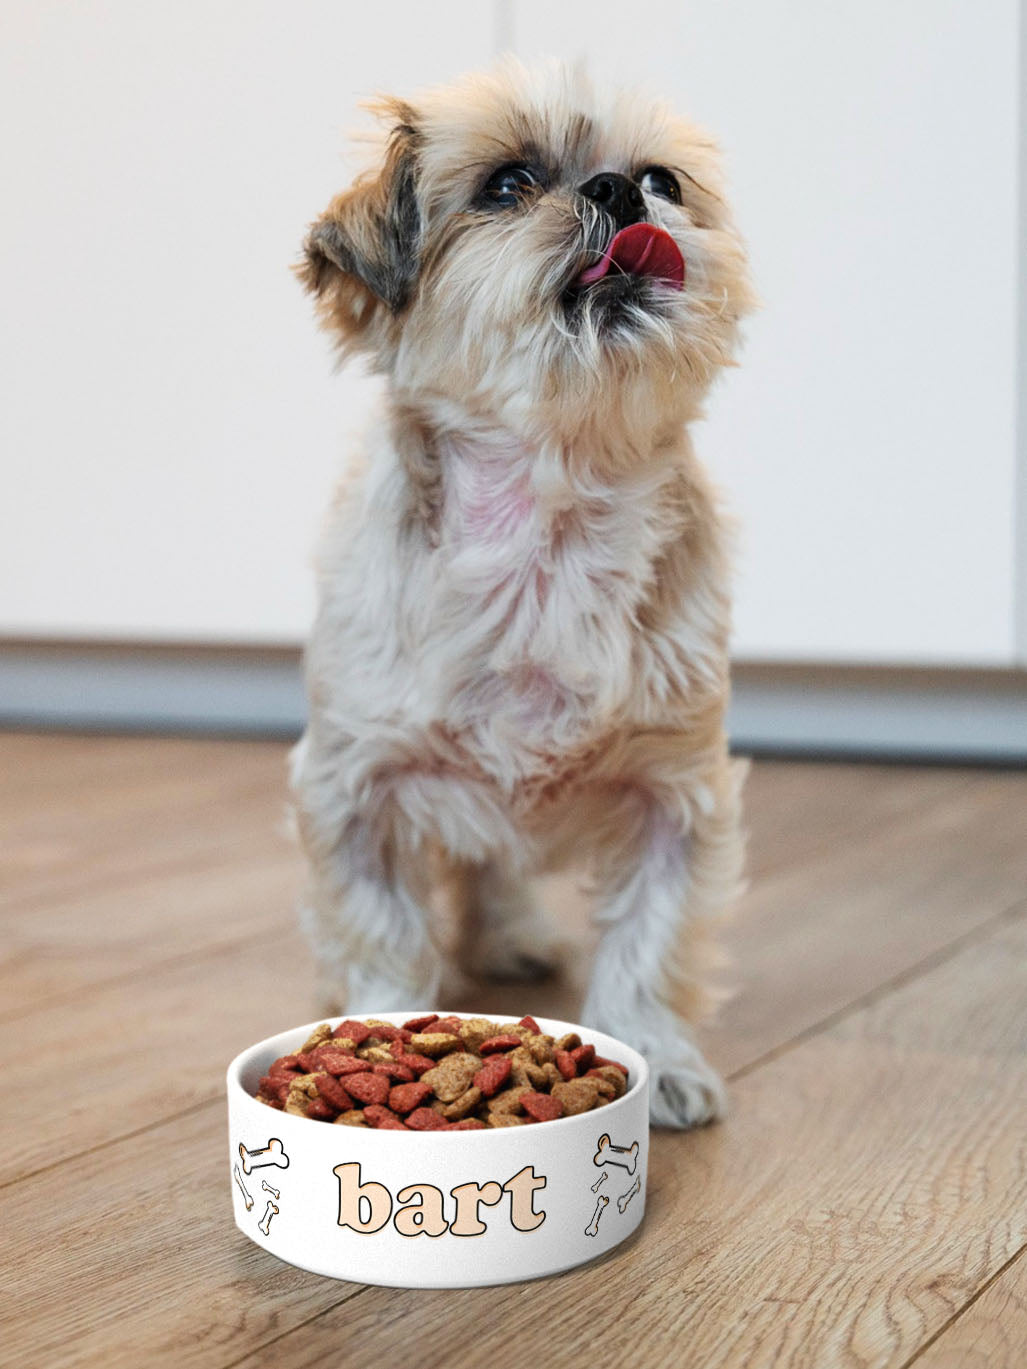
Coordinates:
[361,256]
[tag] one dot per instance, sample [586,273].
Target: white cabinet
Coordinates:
[170,425]
[868,442]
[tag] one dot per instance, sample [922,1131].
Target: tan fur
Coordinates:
[520,656]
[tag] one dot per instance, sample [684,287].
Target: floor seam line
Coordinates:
[955,1317]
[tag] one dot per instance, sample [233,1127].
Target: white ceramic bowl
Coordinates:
[450,1209]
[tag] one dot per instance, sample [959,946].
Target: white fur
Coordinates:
[520,651]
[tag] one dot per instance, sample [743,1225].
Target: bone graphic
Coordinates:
[247,1197]
[600,1181]
[626,1198]
[607,1155]
[273,1191]
[265,1221]
[272,1154]
[593,1227]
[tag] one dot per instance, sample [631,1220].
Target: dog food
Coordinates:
[440,1074]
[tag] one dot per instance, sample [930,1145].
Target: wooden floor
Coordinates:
[865,1203]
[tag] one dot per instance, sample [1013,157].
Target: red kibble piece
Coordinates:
[368,1088]
[418,1063]
[566,1064]
[286,1062]
[402,1074]
[499,1043]
[466,1124]
[531,1025]
[307,1062]
[426,1119]
[582,1057]
[451,1025]
[276,1086]
[543,1107]
[338,1062]
[332,1092]
[356,1031]
[386,1033]
[601,1060]
[382,1119]
[493,1075]
[418,1024]
[406,1097]
[320,1110]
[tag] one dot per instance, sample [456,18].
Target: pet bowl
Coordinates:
[430,1209]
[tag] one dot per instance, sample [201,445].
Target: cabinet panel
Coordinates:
[170,423]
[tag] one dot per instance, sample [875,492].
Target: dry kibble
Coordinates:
[440,1074]
[576,1095]
[434,1043]
[319,1034]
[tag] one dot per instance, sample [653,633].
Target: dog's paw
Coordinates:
[685,1093]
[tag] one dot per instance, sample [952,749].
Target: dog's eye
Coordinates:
[657,180]
[509,186]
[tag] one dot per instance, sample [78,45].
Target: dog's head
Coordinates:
[528,244]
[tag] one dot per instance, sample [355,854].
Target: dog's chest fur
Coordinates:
[537,579]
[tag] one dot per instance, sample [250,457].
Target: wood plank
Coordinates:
[130,1258]
[171,802]
[143,1050]
[991,1333]
[868,1183]
[796,811]
[86,940]
[819,934]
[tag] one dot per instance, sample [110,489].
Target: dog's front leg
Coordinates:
[662,878]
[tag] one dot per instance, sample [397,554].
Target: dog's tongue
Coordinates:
[641,249]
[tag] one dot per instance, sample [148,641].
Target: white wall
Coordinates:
[169,419]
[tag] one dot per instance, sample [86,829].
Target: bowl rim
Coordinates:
[637,1065]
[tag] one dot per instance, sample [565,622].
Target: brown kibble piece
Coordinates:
[576,1095]
[460,1107]
[505,1119]
[452,1076]
[613,1075]
[507,1101]
[319,1034]
[568,1042]
[434,1044]
[354,1118]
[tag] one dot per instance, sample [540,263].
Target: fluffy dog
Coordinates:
[520,654]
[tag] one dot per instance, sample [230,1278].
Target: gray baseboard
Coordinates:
[788,710]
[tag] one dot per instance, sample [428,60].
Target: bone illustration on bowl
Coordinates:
[265,1221]
[627,1196]
[247,1196]
[271,1154]
[602,1203]
[626,1157]
[600,1181]
[275,1193]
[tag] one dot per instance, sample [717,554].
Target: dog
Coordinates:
[520,655]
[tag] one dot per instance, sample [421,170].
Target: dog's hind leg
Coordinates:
[508,935]
[662,877]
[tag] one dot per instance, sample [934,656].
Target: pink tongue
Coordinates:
[641,249]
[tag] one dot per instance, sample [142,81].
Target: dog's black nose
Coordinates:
[619,196]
